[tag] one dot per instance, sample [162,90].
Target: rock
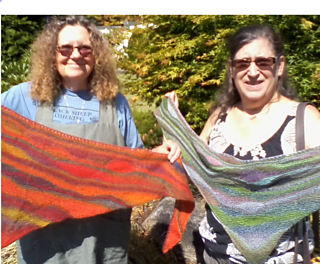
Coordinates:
[190,249]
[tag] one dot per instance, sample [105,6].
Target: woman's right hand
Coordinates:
[174,98]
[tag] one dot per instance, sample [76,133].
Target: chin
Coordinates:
[77,74]
[254,95]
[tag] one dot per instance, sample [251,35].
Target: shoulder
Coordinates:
[121,100]
[214,116]
[312,112]
[286,106]
[126,123]
[22,88]
[18,99]
[209,124]
[123,107]
[312,126]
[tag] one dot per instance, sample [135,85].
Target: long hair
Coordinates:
[45,80]
[230,95]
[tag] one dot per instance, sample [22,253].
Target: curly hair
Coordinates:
[45,80]
[230,95]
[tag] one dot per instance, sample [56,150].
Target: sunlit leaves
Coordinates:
[188,54]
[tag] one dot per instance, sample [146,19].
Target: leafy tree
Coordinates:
[302,37]
[118,27]
[114,20]
[188,54]
[15,72]
[18,32]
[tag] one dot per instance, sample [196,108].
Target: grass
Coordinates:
[136,104]
[143,247]
[9,254]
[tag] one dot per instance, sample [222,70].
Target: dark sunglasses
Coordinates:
[66,50]
[261,62]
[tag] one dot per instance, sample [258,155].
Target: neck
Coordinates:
[76,86]
[258,107]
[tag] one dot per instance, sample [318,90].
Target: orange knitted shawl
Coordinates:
[48,176]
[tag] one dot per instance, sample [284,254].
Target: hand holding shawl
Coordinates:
[48,176]
[255,201]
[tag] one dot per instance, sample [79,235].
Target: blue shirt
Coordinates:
[72,108]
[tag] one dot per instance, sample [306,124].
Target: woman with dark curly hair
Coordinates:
[74,88]
[255,118]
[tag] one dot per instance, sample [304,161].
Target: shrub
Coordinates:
[148,128]
[20,32]
[15,72]
[187,54]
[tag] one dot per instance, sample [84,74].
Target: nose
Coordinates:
[75,53]
[253,69]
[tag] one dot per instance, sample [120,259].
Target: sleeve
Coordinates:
[126,123]
[18,99]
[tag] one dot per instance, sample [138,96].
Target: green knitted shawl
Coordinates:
[255,201]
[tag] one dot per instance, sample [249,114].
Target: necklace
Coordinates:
[253,116]
[84,102]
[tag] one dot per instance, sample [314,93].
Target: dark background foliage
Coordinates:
[185,53]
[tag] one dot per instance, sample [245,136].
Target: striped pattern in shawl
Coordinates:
[48,176]
[255,201]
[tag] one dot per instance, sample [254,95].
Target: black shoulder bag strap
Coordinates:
[300,145]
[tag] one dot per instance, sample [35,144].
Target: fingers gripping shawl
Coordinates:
[48,176]
[255,201]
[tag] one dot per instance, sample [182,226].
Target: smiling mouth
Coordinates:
[75,65]
[254,83]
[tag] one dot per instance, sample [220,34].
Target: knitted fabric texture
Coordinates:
[48,176]
[255,201]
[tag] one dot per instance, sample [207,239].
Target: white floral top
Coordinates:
[216,240]
[283,141]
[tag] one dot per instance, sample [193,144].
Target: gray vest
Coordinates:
[105,131]
[99,239]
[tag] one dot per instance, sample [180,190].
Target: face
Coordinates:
[257,84]
[74,67]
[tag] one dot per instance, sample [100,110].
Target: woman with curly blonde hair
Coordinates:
[74,89]
[45,79]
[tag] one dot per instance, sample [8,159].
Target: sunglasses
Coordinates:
[66,50]
[261,62]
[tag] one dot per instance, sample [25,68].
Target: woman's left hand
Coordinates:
[174,98]
[171,148]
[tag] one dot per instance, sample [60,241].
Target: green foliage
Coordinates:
[18,32]
[15,72]
[113,20]
[303,55]
[148,128]
[116,38]
[118,27]
[185,53]
[188,54]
